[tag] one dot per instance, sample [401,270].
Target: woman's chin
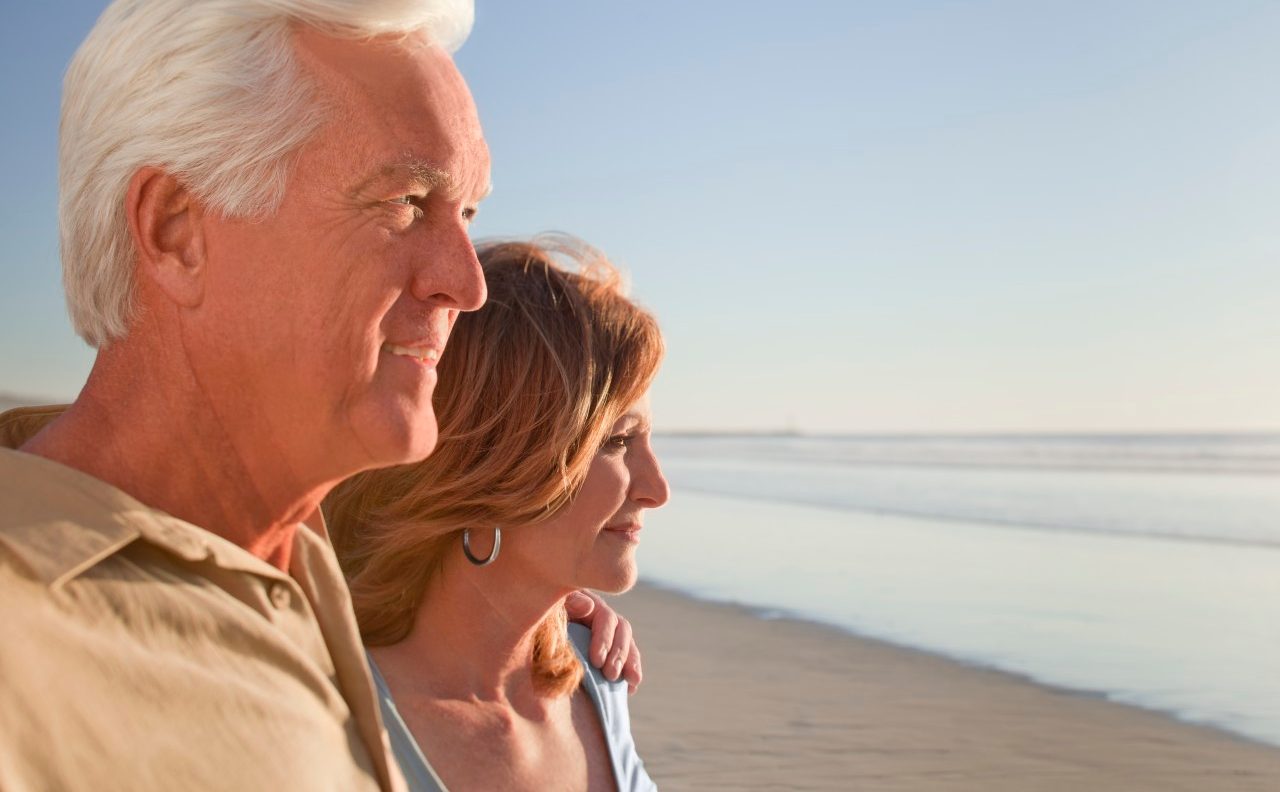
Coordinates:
[620,582]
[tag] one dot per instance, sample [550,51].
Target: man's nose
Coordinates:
[447,272]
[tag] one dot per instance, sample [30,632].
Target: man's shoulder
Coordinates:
[55,521]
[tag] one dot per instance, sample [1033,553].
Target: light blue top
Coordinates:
[609,699]
[417,771]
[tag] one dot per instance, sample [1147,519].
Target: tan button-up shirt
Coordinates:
[139,652]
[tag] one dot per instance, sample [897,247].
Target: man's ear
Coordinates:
[165,221]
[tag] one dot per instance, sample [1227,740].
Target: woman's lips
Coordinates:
[629,531]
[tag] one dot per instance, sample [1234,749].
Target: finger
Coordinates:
[604,621]
[631,670]
[579,606]
[619,652]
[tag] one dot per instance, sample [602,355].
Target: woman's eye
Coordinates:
[617,442]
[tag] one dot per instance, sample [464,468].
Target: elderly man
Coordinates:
[264,211]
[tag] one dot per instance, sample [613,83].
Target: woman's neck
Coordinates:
[472,639]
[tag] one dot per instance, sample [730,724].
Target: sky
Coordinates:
[848,216]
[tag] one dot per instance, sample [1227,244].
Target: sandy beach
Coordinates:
[733,701]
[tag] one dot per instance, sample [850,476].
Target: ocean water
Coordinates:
[1142,568]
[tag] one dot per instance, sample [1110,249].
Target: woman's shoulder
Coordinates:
[610,700]
[581,638]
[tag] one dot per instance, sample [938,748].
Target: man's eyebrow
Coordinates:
[429,176]
[424,174]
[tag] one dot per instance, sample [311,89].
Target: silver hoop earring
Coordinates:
[493,554]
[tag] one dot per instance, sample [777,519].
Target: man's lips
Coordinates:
[425,354]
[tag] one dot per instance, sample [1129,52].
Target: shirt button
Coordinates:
[280,595]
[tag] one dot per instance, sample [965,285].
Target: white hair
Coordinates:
[209,91]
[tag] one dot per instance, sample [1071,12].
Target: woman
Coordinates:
[458,565]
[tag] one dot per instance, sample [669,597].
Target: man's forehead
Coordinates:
[404,73]
[362,57]
[402,107]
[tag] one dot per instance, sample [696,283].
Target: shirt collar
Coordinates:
[60,522]
[20,424]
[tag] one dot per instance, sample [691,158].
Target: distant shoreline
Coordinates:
[10,400]
[1049,435]
[733,700]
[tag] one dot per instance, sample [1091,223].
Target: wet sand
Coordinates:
[733,701]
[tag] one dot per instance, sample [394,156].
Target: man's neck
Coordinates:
[150,432]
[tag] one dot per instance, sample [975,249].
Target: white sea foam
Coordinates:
[1220,488]
[1205,453]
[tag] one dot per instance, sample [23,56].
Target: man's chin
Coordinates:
[400,439]
[417,445]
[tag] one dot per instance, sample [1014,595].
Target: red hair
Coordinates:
[528,390]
